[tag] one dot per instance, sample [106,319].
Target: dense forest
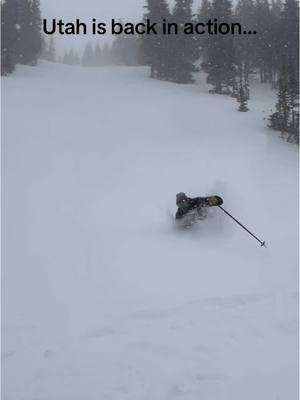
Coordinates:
[229,61]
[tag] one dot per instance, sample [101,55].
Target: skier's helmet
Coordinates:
[181,198]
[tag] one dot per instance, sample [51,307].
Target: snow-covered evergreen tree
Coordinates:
[184,46]
[243,92]
[126,50]
[289,34]
[88,56]
[204,14]
[107,54]
[245,44]
[279,120]
[9,35]
[220,65]
[98,55]
[263,40]
[29,43]
[155,48]
[293,101]
[51,50]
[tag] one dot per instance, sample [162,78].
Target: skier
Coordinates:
[194,207]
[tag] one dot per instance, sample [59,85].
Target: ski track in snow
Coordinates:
[102,297]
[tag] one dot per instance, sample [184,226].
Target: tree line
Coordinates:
[228,60]
[123,51]
[272,53]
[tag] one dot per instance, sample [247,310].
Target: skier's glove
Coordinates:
[214,201]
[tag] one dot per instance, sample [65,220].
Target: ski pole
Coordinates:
[262,244]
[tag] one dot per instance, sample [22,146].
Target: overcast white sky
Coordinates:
[86,10]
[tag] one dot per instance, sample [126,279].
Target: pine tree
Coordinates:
[279,120]
[286,117]
[263,40]
[107,54]
[220,66]
[29,43]
[293,102]
[98,55]
[36,26]
[66,58]
[289,34]
[245,44]
[184,46]
[88,56]
[243,91]
[242,100]
[48,50]
[71,57]
[44,51]
[23,42]
[125,50]
[204,14]
[276,53]
[9,34]
[76,58]
[118,49]
[51,50]
[155,48]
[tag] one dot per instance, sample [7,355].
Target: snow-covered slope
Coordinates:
[102,298]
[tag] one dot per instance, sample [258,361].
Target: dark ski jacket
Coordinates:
[190,204]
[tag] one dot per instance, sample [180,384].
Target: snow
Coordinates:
[102,297]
